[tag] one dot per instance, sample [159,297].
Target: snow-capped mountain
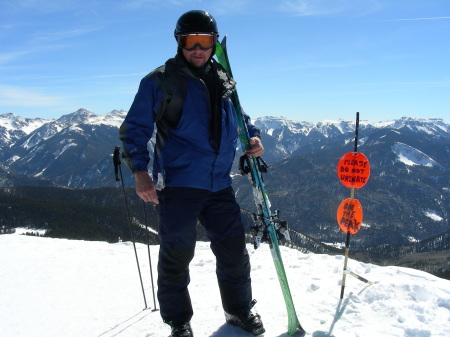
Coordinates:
[283,137]
[13,128]
[27,132]
[407,198]
[73,150]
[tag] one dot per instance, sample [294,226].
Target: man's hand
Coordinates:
[145,188]
[257,147]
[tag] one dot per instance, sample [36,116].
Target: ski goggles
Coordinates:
[191,41]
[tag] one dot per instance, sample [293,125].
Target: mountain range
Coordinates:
[406,201]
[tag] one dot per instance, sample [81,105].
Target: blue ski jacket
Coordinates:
[184,152]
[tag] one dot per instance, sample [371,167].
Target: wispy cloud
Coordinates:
[418,19]
[234,7]
[119,75]
[330,8]
[43,42]
[222,7]
[315,7]
[38,6]
[138,4]
[22,97]
[10,56]
[65,34]
[419,84]
[391,86]
[323,65]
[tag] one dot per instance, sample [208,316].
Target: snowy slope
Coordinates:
[55,288]
[411,156]
[12,122]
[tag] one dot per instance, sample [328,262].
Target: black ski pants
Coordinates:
[219,213]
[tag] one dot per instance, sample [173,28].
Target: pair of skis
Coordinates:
[267,224]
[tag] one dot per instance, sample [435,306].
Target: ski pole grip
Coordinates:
[116,161]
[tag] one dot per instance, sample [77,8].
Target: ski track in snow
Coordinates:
[56,287]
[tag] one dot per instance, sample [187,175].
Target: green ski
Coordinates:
[266,223]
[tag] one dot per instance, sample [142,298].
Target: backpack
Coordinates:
[173,87]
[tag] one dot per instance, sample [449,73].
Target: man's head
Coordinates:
[196,33]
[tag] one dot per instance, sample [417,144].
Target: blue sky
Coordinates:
[307,60]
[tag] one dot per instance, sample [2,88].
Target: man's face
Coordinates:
[197,57]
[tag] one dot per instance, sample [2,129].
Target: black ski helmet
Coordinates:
[196,21]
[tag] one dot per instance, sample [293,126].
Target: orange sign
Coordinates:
[350,215]
[353,170]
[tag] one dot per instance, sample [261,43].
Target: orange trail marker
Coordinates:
[350,215]
[353,170]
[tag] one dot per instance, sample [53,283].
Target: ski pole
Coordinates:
[118,170]
[149,258]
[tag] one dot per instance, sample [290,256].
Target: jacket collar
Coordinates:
[179,65]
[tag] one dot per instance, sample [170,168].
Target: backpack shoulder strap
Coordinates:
[173,87]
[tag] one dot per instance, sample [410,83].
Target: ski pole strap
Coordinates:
[262,166]
[244,164]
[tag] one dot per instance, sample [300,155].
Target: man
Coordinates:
[189,100]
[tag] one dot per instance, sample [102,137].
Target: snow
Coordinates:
[67,146]
[341,125]
[412,239]
[433,215]
[11,160]
[12,122]
[411,156]
[56,287]
[23,230]
[270,124]
[113,118]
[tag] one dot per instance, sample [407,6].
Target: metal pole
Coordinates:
[118,169]
[352,196]
[149,258]
[344,273]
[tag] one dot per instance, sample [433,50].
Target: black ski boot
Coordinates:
[249,322]
[181,330]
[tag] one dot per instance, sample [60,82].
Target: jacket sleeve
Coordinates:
[138,126]
[253,131]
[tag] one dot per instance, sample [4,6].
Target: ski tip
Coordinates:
[224,41]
